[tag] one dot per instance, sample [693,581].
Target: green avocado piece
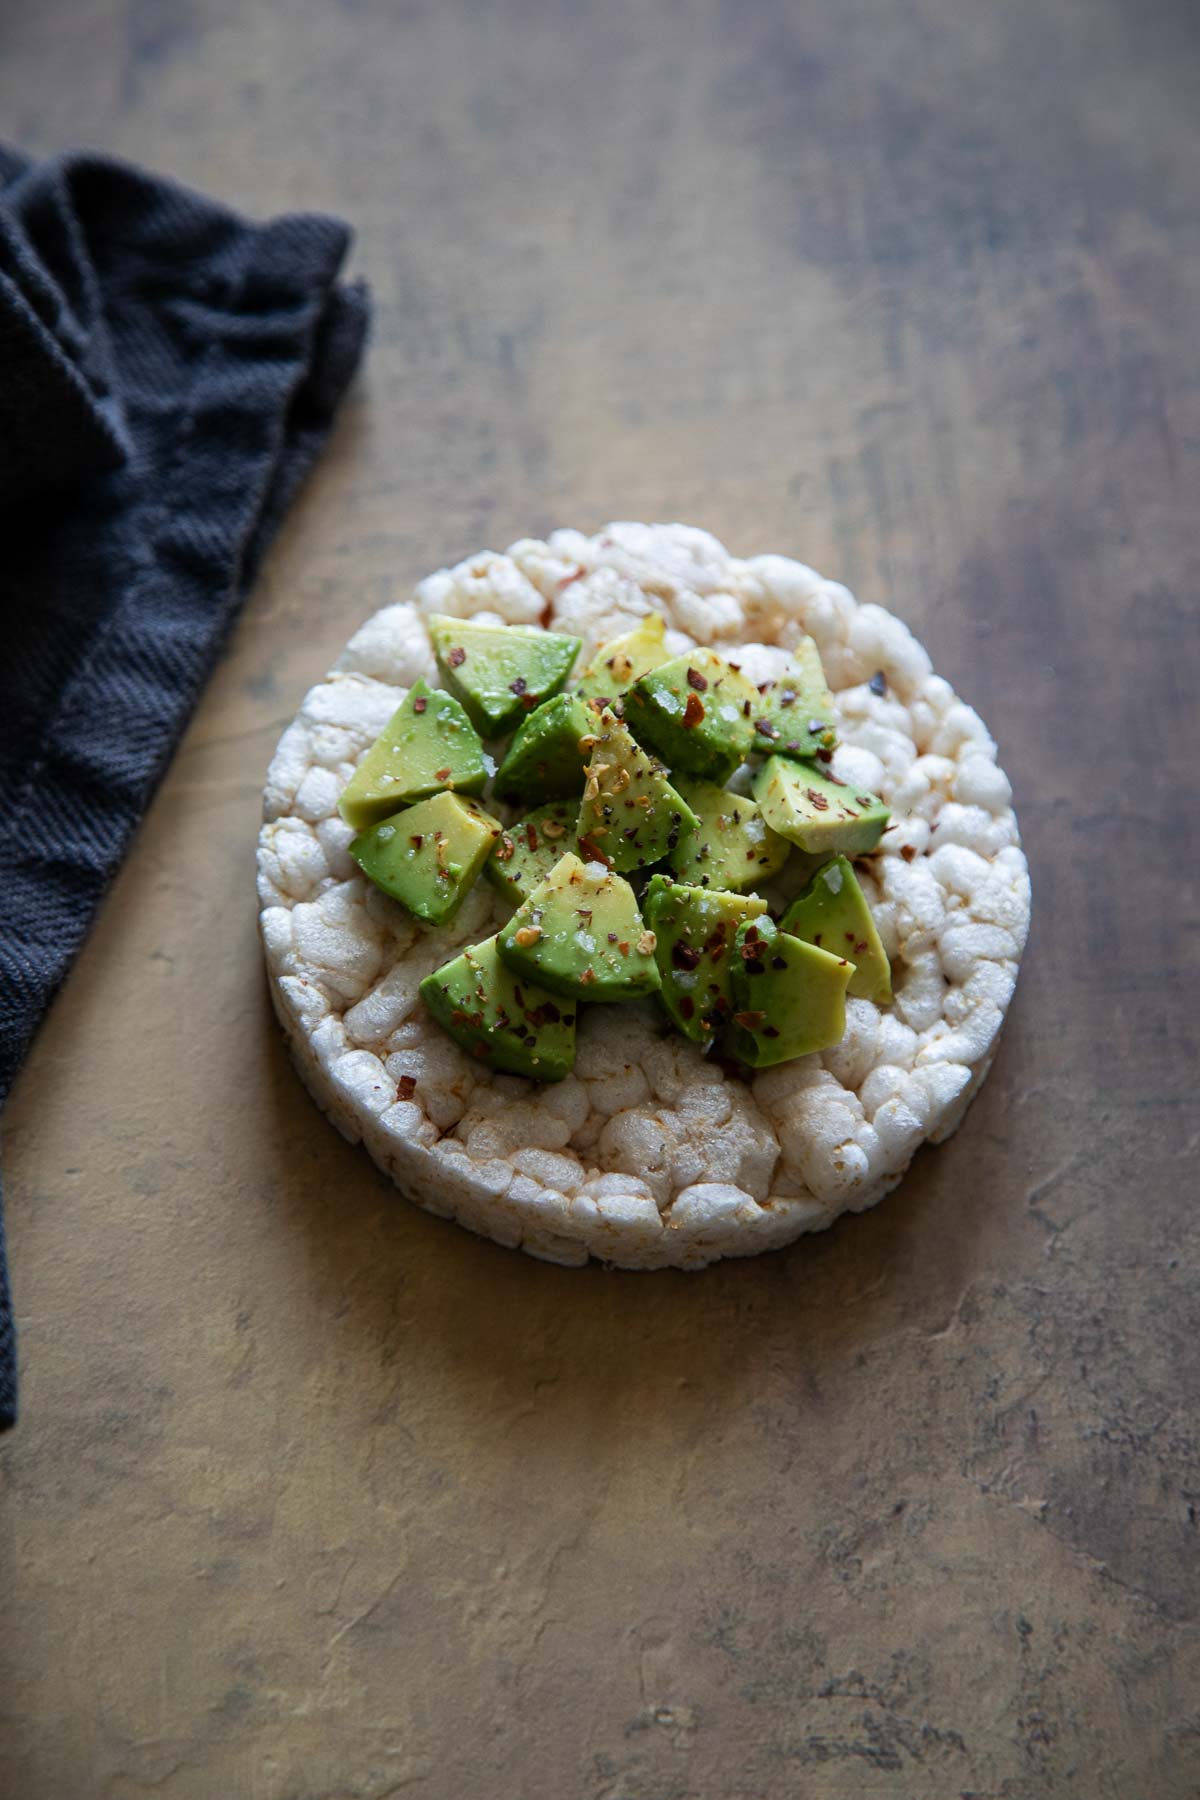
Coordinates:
[429,855]
[526,852]
[731,846]
[545,759]
[428,743]
[694,929]
[832,912]
[617,665]
[630,815]
[508,1022]
[500,672]
[795,715]
[696,712]
[816,810]
[580,934]
[789,998]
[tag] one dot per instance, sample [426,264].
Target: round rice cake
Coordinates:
[649,1155]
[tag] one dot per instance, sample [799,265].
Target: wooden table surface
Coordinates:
[316,1498]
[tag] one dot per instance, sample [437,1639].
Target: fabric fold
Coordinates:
[207,356]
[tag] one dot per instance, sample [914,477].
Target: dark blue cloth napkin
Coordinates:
[168,372]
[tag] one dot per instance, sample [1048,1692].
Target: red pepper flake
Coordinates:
[697,681]
[819,801]
[749,1021]
[587,978]
[531,836]
[765,728]
[529,701]
[770,1031]
[406,1087]
[505,849]
[416,840]
[590,851]
[693,712]
[457,656]
[420,703]
[687,1005]
[908,851]
[684,957]
[441,775]
[568,579]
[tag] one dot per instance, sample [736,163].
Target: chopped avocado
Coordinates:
[617,665]
[794,715]
[580,934]
[631,816]
[832,913]
[429,855]
[507,1022]
[428,744]
[731,846]
[694,929]
[816,810]
[696,712]
[500,672]
[545,759]
[525,853]
[789,998]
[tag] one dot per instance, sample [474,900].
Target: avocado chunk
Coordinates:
[696,712]
[694,930]
[789,998]
[617,665]
[731,845]
[428,744]
[832,912]
[795,715]
[429,855]
[630,816]
[507,1022]
[500,672]
[580,934]
[817,811]
[545,759]
[525,853]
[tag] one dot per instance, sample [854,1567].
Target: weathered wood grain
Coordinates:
[316,1498]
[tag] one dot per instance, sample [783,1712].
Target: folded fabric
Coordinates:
[168,372]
